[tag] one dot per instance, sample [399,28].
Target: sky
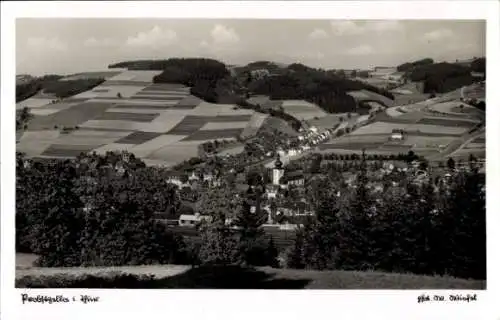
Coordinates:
[65,46]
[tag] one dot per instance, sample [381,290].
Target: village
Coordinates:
[288,173]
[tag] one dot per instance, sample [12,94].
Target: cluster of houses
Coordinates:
[304,142]
[182,180]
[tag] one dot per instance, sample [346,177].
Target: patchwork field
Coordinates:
[387,127]
[161,123]
[426,132]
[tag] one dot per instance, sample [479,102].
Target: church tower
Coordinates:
[278,171]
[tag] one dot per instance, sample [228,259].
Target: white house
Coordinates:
[192,219]
[398,136]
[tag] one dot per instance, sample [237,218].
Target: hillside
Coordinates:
[212,81]
[325,89]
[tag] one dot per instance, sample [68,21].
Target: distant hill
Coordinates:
[212,81]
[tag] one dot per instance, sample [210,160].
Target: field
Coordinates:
[302,110]
[328,121]
[161,123]
[91,75]
[387,127]
[475,146]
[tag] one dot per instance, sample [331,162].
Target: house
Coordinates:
[175,178]
[193,176]
[191,220]
[260,73]
[271,191]
[397,136]
[295,178]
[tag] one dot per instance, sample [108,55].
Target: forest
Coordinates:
[87,213]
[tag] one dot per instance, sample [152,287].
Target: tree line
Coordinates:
[434,228]
[50,84]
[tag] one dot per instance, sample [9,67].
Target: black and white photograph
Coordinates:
[248,160]
[250,154]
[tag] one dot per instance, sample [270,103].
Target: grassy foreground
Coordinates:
[184,277]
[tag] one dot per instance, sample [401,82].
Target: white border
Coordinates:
[184,304]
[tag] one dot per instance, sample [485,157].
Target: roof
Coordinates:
[192,217]
[299,174]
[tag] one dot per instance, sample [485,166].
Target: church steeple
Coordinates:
[278,171]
